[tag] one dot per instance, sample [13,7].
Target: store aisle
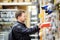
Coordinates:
[4,36]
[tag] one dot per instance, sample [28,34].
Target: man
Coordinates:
[19,30]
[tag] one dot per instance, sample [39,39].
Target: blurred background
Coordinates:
[37,11]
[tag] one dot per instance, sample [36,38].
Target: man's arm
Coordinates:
[20,29]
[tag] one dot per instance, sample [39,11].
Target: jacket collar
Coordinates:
[19,22]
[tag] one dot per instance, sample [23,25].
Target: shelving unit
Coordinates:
[33,15]
[7,16]
[21,3]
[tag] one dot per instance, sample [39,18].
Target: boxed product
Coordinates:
[10,1]
[0,7]
[5,0]
[27,0]
[46,24]
[20,0]
[1,0]
[15,0]
[33,0]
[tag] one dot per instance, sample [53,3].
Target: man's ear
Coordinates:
[18,17]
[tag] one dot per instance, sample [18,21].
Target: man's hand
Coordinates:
[39,25]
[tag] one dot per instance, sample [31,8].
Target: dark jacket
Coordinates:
[21,32]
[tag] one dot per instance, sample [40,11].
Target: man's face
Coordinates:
[22,17]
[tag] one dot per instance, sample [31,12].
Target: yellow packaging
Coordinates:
[9,0]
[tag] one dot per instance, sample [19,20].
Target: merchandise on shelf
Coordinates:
[1,0]
[7,17]
[27,0]
[20,0]
[15,1]
[5,1]
[0,7]
[33,0]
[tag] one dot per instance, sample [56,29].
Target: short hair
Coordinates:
[19,13]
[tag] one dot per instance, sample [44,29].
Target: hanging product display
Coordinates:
[49,8]
[41,16]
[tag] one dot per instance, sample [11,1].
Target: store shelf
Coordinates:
[5,22]
[8,10]
[33,18]
[33,22]
[21,3]
[34,35]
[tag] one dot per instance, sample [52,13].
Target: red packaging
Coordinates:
[48,24]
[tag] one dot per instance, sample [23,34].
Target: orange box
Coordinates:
[45,25]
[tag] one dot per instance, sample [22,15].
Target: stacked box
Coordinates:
[10,1]
[15,1]
[27,0]
[33,0]
[5,1]
[20,0]
[0,7]
[1,0]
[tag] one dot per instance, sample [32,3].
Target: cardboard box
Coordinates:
[1,0]
[20,0]
[15,1]
[0,7]
[10,1]
[33,0]
[5,0]
[27,0]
